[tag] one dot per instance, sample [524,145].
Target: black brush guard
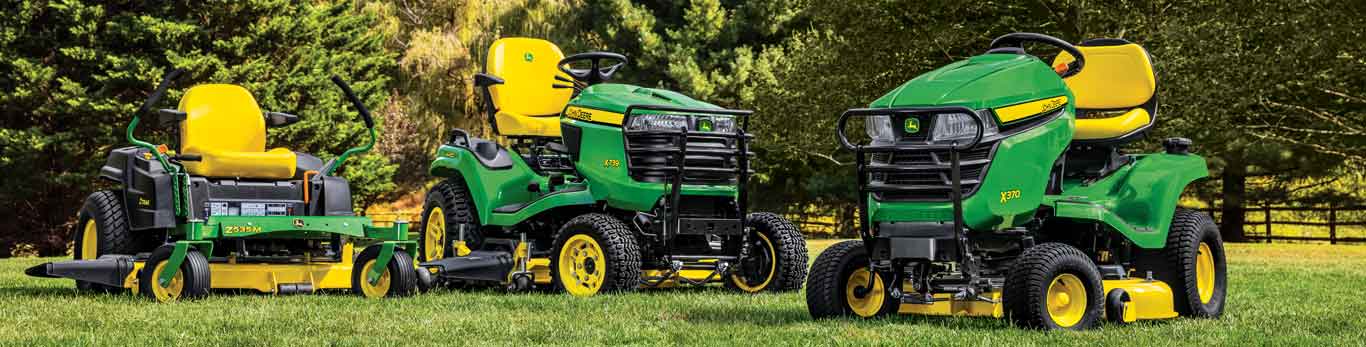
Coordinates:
[863,168]
[729,165]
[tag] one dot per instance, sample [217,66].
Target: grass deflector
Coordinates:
[604,187]
[218,210]
[996,186]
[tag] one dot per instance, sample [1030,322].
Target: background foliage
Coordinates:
[1269,90]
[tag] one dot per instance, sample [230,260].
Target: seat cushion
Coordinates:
[278,163]
[514,124]
[1113,126]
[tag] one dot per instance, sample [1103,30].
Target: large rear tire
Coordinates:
[447,209]
[1053,286]
[777,257]
[1195,266]
[102,228]
[840,272]
[595,253]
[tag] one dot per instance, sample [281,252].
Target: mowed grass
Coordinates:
[1280,295]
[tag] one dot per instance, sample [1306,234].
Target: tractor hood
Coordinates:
[617,97]
[984,81]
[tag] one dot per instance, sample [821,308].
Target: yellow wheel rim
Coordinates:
[90,240]
[772,267]
[1204,273]
[1066,300]
[869,304]
[582,266]
[373,290]
[434,237]
[170,292]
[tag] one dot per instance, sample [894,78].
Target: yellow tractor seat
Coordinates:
[1116,92]
[226,128]
[524,102]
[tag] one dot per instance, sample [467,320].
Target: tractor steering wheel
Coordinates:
[1014,42]
[596,73]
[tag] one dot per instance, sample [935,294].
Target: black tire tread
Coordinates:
[195,269]
[1188,229]
[791,251]
[455,202]
[402,274]
[824,292]
[623,252]
[1034,270]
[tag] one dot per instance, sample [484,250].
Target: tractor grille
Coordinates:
[709,159]
[925,175]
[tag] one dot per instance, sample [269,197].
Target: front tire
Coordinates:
[840,272]
[399,278]
[595,253]
[102,229]
[777,254]
[191,282]
[1053,286]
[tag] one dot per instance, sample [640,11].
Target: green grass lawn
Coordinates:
[1279,295]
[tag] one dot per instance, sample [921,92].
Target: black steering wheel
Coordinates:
[1014,42]
[596,73]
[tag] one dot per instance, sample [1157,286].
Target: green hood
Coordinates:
[616,97]
[984,81]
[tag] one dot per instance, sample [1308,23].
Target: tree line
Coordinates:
[1270,91]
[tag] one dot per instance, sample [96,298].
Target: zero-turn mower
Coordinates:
[996,186]
[218,210]
[604,187]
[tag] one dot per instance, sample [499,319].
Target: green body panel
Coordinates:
[984,81]
[614,97]
[1022,161]
[1138,200]
[602,164]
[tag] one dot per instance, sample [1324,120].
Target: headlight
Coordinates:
[955,126]
[879,128]
[658,122]
[711,124]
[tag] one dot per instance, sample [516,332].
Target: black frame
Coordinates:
[679,153]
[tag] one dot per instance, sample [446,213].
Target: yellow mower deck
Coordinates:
[269,277]
[1149,300]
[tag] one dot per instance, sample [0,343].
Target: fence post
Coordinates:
[1267,209]
[1332,225]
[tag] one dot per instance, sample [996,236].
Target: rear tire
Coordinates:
[1043,286]
[450,200]
[595,253]
[102,228]
[838,271]
[399,279]
[191,282]
[779,253]
[1195,265]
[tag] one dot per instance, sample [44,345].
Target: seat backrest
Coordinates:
[1115,93]
[221,118]
[1118,75]
[528,68]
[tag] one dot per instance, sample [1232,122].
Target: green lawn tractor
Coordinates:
[996,186]
[220,211]
[605,187]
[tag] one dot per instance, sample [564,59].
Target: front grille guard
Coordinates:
[679,151]
[861,152]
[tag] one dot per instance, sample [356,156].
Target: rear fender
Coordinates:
[489,188]
[1138,200]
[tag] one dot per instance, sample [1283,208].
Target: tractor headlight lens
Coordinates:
[879,128]
[960,126]
[658,122]
[710,124]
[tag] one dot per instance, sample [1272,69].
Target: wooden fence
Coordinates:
[1342,223]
